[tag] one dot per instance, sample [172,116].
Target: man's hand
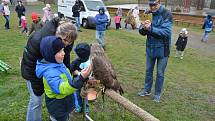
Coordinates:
[147,24]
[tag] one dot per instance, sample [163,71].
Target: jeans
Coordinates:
[34,112]
[205,36]
[100,38]
[161,66]
[78,24]
[7,19]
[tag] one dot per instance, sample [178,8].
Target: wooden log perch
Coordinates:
[131,107]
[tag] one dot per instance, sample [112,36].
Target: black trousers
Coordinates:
[25,30]
[118,25]
[19,20]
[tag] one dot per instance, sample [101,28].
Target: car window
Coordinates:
[94,5]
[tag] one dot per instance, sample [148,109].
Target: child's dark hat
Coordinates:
[83,51]
[49,47]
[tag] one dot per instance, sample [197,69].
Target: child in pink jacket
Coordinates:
[117,21]
[24,24]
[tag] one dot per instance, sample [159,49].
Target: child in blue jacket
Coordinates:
[58,82]
[82,61]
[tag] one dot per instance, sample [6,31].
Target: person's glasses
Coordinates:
[67,41]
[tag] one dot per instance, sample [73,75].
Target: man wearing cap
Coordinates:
[158,32]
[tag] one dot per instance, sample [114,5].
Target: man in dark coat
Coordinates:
[31,54]
[76,13]
[20,10]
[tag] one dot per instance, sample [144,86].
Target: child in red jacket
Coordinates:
[24,24]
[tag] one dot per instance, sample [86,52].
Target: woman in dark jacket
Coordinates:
[28,65]
[20,10]
[181,43]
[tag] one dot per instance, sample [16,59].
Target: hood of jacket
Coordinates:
[43,66]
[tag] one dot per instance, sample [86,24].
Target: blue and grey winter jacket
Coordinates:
[101,22]
[58,82]
[208,24]
[159,35]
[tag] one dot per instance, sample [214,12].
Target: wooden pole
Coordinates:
[131,107]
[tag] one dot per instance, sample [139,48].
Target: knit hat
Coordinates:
[34,16]
[184,30]
[48,5]
[83,51]
[49,47]
[23,18]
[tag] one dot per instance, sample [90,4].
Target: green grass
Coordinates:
[188,93]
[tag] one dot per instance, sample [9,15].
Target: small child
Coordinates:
[117,20]
[58,82]
[181,43]
[82,61]
[36,23]
[24,25]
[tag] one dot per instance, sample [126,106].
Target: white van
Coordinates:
[89,10]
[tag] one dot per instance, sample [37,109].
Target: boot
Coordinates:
[176,53]
[182,55]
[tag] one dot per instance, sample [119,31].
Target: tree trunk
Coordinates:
[200,4]
[212,6]
[166,3]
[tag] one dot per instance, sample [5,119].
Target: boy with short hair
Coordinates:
[58,82]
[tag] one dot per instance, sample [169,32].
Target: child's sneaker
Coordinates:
[87,111]
[78,109]
[181,57]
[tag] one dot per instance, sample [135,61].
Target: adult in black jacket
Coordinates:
[32,53]
[76,13]
[20,10]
